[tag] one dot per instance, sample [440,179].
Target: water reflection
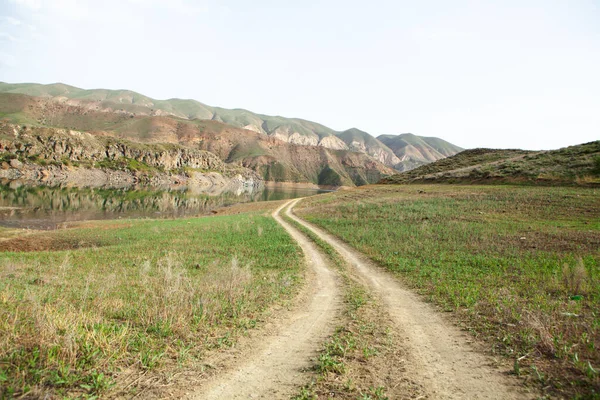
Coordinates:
[41,207]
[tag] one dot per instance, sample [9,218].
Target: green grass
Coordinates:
[328,177]
[142,296]
[124,163]
[518,266]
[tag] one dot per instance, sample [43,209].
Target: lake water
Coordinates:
[40,207]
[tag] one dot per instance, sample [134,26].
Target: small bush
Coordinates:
[575,277]
[596,169]
[6,157]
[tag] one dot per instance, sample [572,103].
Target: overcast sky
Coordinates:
[510,73]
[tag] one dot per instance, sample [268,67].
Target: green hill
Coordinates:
[39,90]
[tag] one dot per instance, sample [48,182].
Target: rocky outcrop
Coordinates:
[362,142]
[333,142]
[286,134]
[53,175]
[60,156]
[303,140]
[253,128]
[378,153]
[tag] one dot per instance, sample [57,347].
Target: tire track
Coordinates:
[440,359]
[278,364]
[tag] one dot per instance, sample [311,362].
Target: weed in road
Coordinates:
[361,359]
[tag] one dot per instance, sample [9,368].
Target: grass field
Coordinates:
[141,296]
[519,267]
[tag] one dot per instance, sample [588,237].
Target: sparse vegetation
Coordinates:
[519,267]
[329,177]
[575,165]
[596,169]
[140,296]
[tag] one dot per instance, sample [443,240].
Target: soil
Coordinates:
[252,206]
[41,242]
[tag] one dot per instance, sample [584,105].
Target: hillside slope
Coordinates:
[290,130]
[361,141]
[578,165]
[271,157]
[414,151]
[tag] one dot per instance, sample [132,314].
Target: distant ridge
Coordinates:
[291,130]
[414,151]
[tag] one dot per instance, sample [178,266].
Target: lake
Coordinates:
[41,207]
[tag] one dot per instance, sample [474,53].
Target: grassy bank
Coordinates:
[136,297]
[519,267]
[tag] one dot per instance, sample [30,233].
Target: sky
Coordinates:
[500,74]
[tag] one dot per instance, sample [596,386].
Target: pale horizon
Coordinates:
[476,74]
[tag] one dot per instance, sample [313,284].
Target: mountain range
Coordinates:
[278,148]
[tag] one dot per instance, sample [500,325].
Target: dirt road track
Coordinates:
[440,357]
[274,368]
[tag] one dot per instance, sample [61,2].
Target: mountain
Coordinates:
[574,165]
[360,141]
[413,151]
[290,130]
[272,158]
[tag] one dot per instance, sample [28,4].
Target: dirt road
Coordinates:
[440,357]
[276,366]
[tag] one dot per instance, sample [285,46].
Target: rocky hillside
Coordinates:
[270,157]
[413,151]
[361,141]
[40,153]
[574,165]
[290,130]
